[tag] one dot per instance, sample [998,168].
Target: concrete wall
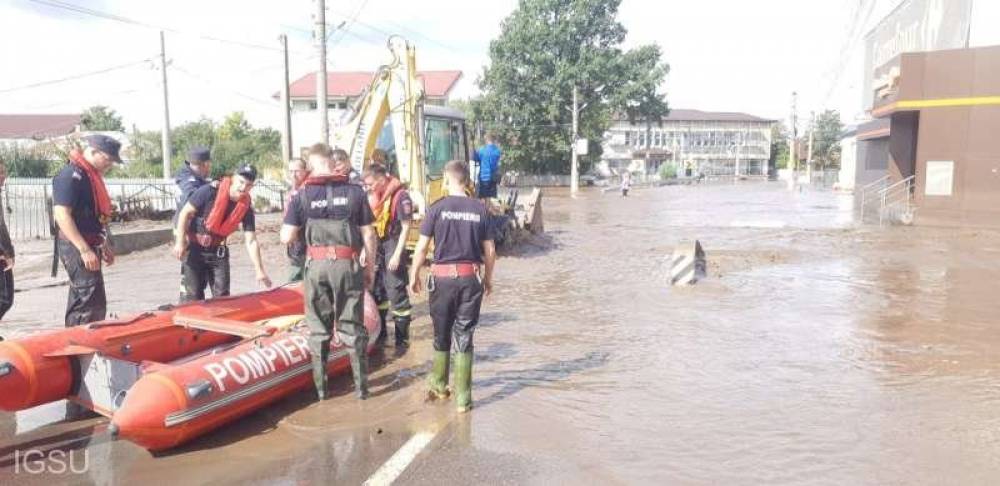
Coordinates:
[966,135]
[848,164]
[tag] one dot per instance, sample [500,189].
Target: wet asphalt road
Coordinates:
[815,353]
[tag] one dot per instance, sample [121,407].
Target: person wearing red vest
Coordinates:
[82,210]
[209,216]
[393,211]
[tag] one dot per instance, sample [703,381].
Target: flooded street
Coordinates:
[816,352]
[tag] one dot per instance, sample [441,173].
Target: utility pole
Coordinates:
[809,156]
[574,179]
[792,156]
[737,140]
[166,109]
[324,121]
[286,127]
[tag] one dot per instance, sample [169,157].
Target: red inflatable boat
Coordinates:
[167,376]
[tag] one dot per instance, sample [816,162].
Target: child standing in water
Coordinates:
[626,183]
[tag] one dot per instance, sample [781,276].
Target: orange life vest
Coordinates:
[384,203]
[102,202]
[217,222]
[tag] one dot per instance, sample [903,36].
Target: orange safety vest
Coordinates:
[383,205]
[217,222]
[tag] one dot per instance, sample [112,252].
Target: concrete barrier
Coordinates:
[687,264]
[138,240]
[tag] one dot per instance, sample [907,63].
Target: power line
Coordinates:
[77,103]
[404,28]
[217,86]
[75,77]
[117,18]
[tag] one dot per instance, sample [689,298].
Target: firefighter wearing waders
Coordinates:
[82,209]
[462,245]
[209,216]
[338,224]
[393,211]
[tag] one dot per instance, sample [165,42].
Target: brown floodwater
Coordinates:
[816,351]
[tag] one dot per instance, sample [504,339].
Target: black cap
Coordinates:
[248,171]
[107,145]
[199,155]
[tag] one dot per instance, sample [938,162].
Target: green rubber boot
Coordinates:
[320,352]
[463,382]
[437,381]
[359,367]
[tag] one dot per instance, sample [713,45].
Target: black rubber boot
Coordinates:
[359,367]
[320,352]
[383,316]
[402,331]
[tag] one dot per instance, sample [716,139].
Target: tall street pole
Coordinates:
[286,127]
[324,121]
[793,134]
[809,157]
[166,110]
[574,179]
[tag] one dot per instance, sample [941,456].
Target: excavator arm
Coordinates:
[394,94]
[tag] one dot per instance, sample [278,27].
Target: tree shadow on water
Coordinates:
[513,381]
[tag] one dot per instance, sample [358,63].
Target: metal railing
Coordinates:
[896,202]
[27,202]
[871,190]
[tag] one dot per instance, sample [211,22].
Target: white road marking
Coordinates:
[401,459]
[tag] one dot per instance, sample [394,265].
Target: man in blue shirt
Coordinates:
[489,167]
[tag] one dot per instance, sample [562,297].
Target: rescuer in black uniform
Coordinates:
[338,224]
[82,210]
[204,224]
[462,243]
[393,211]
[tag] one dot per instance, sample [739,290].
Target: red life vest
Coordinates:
[102,202]
[323,180]
[217,222]
[384,205]
[390,190]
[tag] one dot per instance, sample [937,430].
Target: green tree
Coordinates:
[545,48]
[639,99]
[779,146]
[101,119]
[826,139]
[201,132]
[235,127]
[37,161]
[233,142]
[145,155]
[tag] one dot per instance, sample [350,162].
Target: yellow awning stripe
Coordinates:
[942,102]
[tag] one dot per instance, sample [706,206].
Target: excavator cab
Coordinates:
[419,138]
[444,138]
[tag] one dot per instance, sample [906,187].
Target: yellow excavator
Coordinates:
[419,139]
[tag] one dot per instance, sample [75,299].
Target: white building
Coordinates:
[710,143]
[343,90]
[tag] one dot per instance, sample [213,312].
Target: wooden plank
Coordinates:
[243,329]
